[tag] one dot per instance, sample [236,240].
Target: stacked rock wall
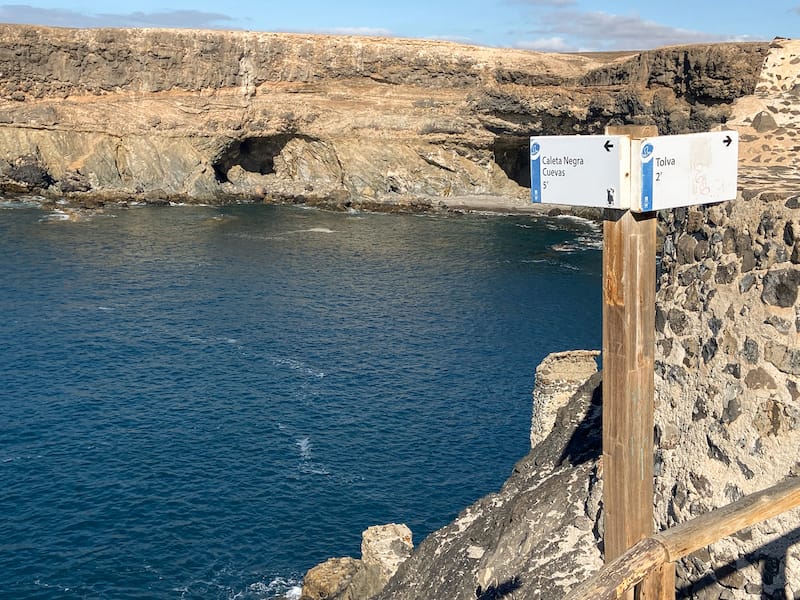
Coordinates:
[727,392]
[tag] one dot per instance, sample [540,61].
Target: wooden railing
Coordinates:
[658,553]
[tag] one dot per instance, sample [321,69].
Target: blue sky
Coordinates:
[550,25]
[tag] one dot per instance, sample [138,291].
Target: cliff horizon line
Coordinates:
[216,116]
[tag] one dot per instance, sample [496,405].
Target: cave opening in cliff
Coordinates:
[512,154]
[253,154]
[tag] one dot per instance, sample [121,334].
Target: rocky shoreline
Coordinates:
[110,115]
[100,116]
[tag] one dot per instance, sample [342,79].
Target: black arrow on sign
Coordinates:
[608,145]
[727,141]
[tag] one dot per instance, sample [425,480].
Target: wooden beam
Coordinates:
[706,529]
[653,558]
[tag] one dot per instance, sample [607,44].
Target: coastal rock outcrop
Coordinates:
[383,549]
[557,378]
[208,116]
[538,536]
[727,382]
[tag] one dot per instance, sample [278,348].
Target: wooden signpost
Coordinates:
[630,172]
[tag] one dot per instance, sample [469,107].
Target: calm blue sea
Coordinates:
[202,402]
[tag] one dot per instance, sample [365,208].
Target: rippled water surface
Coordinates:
[205,402]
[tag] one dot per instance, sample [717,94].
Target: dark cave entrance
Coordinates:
[253,154]
[512,154]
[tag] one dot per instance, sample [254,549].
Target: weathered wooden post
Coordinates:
[629,295]
[631,173]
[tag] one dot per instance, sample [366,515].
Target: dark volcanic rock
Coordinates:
[537,537]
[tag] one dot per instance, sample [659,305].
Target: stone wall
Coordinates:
[727,385]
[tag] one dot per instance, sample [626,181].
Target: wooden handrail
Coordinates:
[672,544]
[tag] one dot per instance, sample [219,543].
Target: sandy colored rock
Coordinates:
[212,116]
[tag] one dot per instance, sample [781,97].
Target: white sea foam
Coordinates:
[582,220]
[297,365]
[314,230]
[56,215]
[21,203]
[288,588]
[304,444]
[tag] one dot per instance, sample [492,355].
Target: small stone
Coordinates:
[780,287]
[701,250]
[661,319]
[746,283]
[703,487]
[725,273]
[709,350]
[750,351]
[791,233]
[716,452]
[746,471]
[700,411]
[748,260]
[729,240]
[678,321]
[768,420]
[764,122]
[734,369]
[786,359]
[782,325]
[733,492]
[732,411]
[685,249]
[694,222]
[759,379]
[715,325]
[794,392]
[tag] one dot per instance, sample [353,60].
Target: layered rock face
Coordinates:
[216,116]
[727,383]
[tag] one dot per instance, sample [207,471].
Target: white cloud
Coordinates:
[365,31]
[602,31]
[550,44]
[23,13]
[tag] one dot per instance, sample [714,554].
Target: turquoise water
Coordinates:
[205,402]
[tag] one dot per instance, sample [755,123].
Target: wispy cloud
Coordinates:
[546,44]
[547,2]
[24,13]
[366,31]
[576,30]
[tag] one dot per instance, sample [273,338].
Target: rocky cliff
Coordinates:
[238,116]
[727,382]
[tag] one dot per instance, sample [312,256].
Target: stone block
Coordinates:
[780,287]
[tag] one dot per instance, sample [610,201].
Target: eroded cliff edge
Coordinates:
[239,116]
[727,381]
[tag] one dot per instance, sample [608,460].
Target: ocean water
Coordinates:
[201,402]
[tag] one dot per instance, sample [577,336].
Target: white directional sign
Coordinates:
[583,170]
[681,170]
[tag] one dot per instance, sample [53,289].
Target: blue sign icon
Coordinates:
[647,177]
[536,172]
